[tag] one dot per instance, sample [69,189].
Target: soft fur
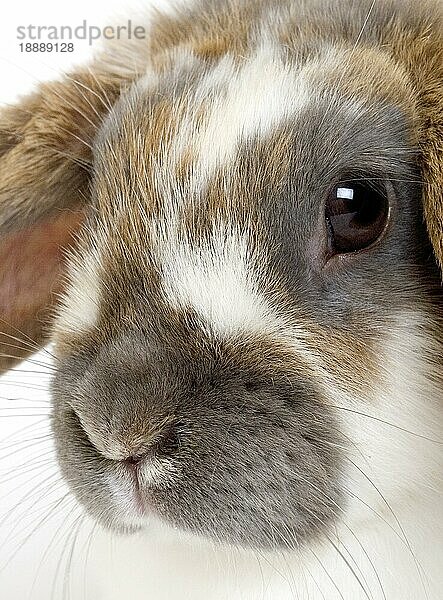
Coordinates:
[218,368]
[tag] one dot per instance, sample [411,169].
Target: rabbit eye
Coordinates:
[356,215]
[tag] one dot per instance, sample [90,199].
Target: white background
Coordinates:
[36,542]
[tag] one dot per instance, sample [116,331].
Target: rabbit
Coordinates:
[231,233]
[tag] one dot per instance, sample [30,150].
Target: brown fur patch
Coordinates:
[47,150]
[423,57]
[210,34]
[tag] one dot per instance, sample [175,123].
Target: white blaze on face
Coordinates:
[246,101]
[217,280]
[239,102]
[232,103]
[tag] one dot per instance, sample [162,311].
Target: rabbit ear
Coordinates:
[427,64]
[433,190]
[45,164]
[31,275]
[45,147]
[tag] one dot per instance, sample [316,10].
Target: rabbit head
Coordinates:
[235,249]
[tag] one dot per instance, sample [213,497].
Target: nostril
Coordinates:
[165,444]
[168,443]
[134,460]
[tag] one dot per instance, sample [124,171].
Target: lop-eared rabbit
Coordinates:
[231,232]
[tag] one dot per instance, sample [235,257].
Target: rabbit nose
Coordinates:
[131,445]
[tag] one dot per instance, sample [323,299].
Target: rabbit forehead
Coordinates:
[233,103]
[190,120]
[227,106]
[197,115]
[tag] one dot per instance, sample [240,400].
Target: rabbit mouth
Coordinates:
[279,499]
[128,497]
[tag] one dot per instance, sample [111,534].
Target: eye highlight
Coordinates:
[356,215]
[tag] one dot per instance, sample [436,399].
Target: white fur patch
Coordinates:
[152,473]
[221,280]
[234,102]
[245,101]
[217,281]
[397,428]
[238,101]
[79,309]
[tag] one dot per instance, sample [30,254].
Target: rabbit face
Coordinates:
[229,307]
[250,315]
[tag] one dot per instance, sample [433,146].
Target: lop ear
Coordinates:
[45,167]
[433,191]
[433,168]
[427,68]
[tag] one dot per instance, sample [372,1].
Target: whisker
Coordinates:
[27,468]
[23,501]
[86,554]
[375,512]
[23,448]
[25,428]
[25,443]
[15,408]
[31,342]
[347,563]
[32,401]
[25,372]
[49,547]
[350,567]
[40,523]
[418,566]
[23,415]
[414,433]
[67,575]
[368,558]
[22,358]
[33,347]
[28,386]
[328,575]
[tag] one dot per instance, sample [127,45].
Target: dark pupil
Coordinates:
[357,215]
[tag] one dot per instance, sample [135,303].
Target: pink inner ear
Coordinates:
[31,269]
